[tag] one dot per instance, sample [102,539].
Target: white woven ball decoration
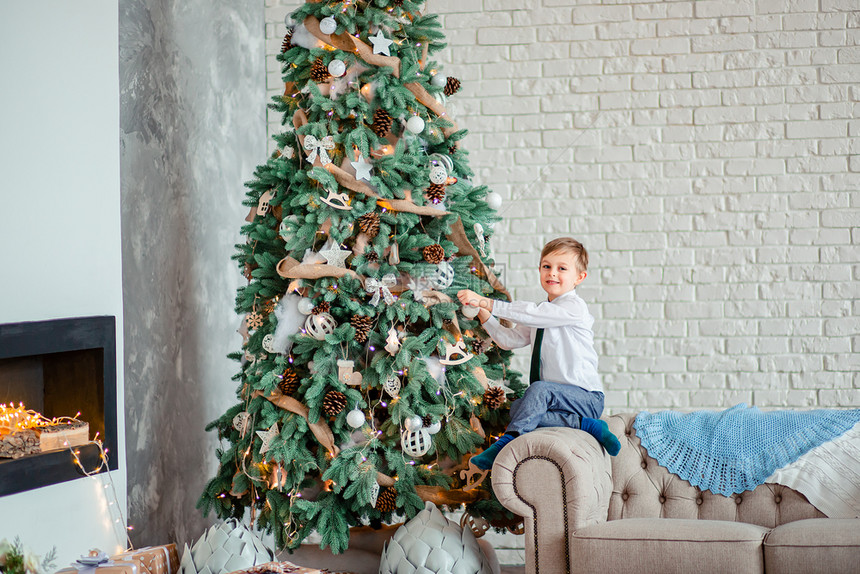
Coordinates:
[336,68]
[494,200]
[306,305]
[355,418]
[392,386]
[415,124]
[429,543]
[443,277]
[318,326]
[328,25]
[415,443]
[439,80]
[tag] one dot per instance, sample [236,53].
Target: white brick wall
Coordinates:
[708,155]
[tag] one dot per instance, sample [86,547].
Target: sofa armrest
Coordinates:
[558,480]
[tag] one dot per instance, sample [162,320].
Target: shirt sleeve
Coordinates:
[508,338]
[541,315]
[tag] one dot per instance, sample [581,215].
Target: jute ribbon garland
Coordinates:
[320,430]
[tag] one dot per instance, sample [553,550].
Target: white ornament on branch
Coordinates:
[337,200]
[362,168]
[479,235]
[316,147]
[443,277]
[494,200]
[415,124]
[439,80]
[268,436]
[469,311]
[328,25]
[392,342]
[346,373]
[241,422]
[355,418]
[456,354]
[392,386]
[318,326]
[381,288]
[336,68]
[381,44]
[415,443]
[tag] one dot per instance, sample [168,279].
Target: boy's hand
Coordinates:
[469,297]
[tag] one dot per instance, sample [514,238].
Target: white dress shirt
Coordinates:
[567,351]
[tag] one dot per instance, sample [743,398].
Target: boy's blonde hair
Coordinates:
[568,245]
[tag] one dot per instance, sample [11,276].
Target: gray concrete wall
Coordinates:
[192,80]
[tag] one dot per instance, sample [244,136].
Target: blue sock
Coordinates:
[600,430]
[484,461]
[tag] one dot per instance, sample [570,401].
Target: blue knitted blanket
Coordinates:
[735,450]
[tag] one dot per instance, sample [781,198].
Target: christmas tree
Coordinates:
[364,387]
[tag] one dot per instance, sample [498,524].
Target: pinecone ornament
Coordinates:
[477,346]
[387,499]
[319,71]
[289,382]
[334,402]
[369,223]
[381,122]
[362,326]
[371,256]
[452,86]
[398,3]
[322,307]
[435,193]
[433,253]
[494,397]
[288,41]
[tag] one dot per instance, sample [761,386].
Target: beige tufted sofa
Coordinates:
[585,511]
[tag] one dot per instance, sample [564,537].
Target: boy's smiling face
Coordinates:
[558,274]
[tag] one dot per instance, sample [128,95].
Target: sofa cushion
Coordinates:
[814,545]
[638,545]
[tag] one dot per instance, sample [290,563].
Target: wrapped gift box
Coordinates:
[152,559]
[278,568]
[110,567]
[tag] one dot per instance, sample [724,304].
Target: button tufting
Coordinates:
[662,499]
[699,501]
[625,496]
[777,499]
[738,500]
[644,464]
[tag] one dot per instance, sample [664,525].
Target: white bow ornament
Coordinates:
[314,146]
[381,288]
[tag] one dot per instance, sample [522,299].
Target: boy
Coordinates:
[565,388]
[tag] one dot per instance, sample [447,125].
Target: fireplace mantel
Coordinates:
[60,338]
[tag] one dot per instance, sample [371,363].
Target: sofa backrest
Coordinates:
[641,488]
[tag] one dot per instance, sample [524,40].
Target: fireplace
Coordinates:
[60,368]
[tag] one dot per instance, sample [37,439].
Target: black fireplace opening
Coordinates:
[60,368]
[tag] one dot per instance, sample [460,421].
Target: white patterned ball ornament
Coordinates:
[318,326]
[416,443]
[443,277]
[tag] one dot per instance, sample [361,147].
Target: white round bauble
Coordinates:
[435,427]
[336,68]
[415,124]
[287,224]
[413,423]
[494,200]
[355,418]
[306,305]
[443,277]
[439,80]
[416,443]
[328,25]
[318,326]
[470,312]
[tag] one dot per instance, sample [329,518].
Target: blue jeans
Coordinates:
[547,404]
